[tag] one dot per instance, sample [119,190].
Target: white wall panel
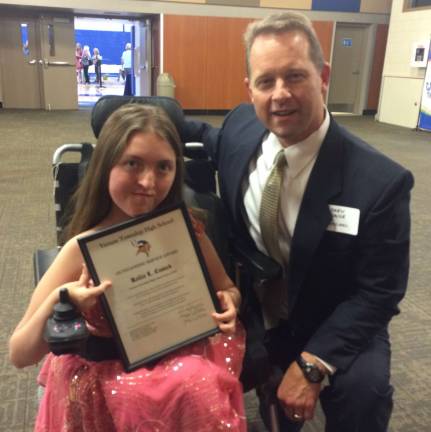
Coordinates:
[399,104]
[401,83]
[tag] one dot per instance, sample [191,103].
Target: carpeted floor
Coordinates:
[27,141]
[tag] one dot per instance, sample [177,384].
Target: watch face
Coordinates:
[311,371]
[313,374]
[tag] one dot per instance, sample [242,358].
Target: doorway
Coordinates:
[347,68]
[113,37]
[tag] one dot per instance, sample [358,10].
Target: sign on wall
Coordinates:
[425,108]
[419,54]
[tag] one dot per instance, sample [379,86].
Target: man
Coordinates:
[341,233]
[126,64]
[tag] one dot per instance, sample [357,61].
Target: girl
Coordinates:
[78,64]
[97,61]
[137,166]
[86,62]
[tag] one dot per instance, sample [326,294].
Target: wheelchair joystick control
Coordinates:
[66,331]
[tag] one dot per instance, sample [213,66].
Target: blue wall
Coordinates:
[337,5]
[110,43]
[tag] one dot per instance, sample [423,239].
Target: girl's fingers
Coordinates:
[105,285]
[226,322]
[228,327]
[99,289]
[225,316]
[225,299]
[85,276]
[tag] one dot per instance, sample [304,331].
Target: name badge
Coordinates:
[344,219]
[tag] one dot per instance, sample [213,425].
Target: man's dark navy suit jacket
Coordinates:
[342,289]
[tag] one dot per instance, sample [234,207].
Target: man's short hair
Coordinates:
[283,23]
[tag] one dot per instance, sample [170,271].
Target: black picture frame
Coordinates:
[97,246]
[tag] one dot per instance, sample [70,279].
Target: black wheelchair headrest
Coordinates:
[106,105]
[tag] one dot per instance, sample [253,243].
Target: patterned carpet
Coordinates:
[27,141]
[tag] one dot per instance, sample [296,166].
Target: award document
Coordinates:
[161,296]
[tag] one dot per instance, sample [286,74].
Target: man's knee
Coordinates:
[361,397]
[361,403]
[363,388]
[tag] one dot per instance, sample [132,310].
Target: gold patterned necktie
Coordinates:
[270,207]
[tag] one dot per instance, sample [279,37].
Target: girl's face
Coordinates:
[143,176]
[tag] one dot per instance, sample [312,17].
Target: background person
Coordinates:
[86,61]
[340,231]
[78,63]
[97,62]
[126,63]
[139,166]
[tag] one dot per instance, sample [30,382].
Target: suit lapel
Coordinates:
[325,182]
[248,136]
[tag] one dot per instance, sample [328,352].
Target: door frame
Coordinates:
[142,58]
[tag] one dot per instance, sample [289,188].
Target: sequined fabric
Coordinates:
[194,389]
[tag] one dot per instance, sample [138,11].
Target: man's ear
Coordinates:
[248,86]
[325,77]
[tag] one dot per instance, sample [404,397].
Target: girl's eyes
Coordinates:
[131,164]
[165,166]
[136,166]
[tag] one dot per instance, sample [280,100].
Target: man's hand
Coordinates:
[297,395]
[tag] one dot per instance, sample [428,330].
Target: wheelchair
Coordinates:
[244,264]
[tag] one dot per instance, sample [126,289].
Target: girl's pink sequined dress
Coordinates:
[194,389]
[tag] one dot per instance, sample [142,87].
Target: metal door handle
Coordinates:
[32,62]
[58,63]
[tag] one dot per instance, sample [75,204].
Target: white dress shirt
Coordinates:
[300,161]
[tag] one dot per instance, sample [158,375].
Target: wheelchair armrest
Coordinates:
[195,150]
[257,263]
[42,259]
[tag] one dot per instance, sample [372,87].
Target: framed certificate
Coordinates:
[161,296]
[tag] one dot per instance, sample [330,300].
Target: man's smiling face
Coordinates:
[285,86]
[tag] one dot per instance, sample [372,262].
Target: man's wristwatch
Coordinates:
[310,370]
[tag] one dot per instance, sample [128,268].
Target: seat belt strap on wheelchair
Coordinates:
[270,208]
[86,152]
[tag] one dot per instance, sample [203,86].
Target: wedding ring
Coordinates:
[297,417]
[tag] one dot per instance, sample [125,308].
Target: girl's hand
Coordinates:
[226,320]
[83,293]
